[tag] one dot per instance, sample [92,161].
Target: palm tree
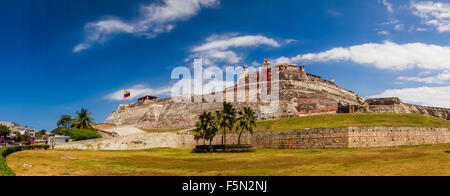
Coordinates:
[228,116]
[74,123]
[246,122]
[200,128]
[211,127]
[206,128]
[220,121]
[84,119]
[64,121]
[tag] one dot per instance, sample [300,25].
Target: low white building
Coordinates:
[60,139]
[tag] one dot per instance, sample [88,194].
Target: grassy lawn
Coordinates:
[335,120]
[413,160]
[352,120]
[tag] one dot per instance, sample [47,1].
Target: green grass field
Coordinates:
[405,161]
[343,120]
[353,120]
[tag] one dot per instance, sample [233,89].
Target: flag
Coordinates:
[126,94]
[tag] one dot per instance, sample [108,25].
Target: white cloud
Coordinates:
[155,19]
[383,32]
[420,29]
[399,27]
[288,41]
[80,47]
[138,91]
[391,22]
[239,41]
[429,96]
[207,85]
[389,6]
[228,56]
[433,14]
[387,55]
[441,78]
[219,48]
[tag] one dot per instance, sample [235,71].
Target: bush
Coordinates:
[77,134]
[61,131]
[4,169]
[223,146]
[4,130]
[235,148]
[83,134]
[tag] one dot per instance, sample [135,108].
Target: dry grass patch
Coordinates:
[414,160]
[103,126]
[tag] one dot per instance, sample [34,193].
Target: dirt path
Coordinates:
[124,130]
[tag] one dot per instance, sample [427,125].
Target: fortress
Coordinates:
[300,94]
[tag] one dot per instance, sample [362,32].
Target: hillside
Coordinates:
[353,120]
[343,120]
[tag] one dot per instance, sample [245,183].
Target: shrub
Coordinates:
[4,169]
[83,134]
[4,130]
[223,146]
[77,134]
[235,148]
[61,131]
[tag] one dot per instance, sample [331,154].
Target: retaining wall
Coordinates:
[327,138]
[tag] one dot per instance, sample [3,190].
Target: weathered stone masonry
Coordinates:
[300,94]
[395,105]
[329,138]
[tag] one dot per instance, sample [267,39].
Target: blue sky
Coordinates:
[60,55]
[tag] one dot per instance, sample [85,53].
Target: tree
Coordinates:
[211,127]
[41,133]
[74,123]
[220,122]
[4,131]
[200,128]
[206,128]
[61,131]
[246,122]
[84,119]
[26,137]
[64,121]
[228,120]
[18,136]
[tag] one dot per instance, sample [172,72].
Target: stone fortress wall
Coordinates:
[300,94]
[394,105]
[326,138]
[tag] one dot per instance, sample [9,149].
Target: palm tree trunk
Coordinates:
[225,136]
[222,139]
[239,139]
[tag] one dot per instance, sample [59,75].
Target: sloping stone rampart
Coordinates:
[329,138]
